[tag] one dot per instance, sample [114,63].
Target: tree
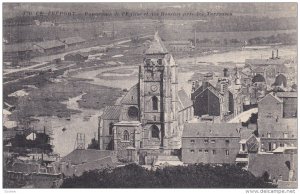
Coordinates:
[191,176]
[253,118]
[266,176]
[94,144]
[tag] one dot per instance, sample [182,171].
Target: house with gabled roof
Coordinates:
[81,160]
[275,127]
[72,41]
[216,143]
[49,47]
[212,98]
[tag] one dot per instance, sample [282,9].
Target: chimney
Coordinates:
[272,54]
[197,84]
[225,71]
[193,87]
[277,54]
[205,85]
[100,133]
[195,38]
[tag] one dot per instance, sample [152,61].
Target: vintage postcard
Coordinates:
[150,95]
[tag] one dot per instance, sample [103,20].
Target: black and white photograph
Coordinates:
[150,95]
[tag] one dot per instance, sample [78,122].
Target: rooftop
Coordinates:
[111,112]
[265,61]
[179,42]
[286,94]
[132,96]
[50,44]
[72,40]
[18,47]
[98,164]
[78,53]
[258,78]
[272,95]
[128,123]
[246,133]
[211,130]
[184,99]
[78,156]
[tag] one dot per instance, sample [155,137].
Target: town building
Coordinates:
[280,167]
[249,144]
[246,75]
[290,103]
[146,121]
[236,96]
[258,89]
[33,173]
[81,160]
[220,97]
[50,47]
[277,136]
[277,121]
[179,46]
[273,60]
[20,51]
[73,41]
[216,143]
[77,57]
[280,83]
[186,110]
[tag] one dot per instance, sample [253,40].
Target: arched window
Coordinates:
[148,61]
[126,136]
[154,131]
[111,126]
[159,61]
[154,103]
[154,118]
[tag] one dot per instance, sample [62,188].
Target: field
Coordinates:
[168,29]
[47,100]
[86,30]
[119,74]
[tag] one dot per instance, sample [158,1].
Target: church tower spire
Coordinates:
[158,94]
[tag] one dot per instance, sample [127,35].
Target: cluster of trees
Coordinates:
[284,38]
[245,23]
[224,42]
[251,120]
[192,176]
[41,141]
[94,144]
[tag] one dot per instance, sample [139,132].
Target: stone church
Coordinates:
[149,119]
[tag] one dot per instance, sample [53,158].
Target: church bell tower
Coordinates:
[158,85]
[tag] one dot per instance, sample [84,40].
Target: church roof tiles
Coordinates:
[211,130]
[287,94]
[132,96]
[111,112]
[78,156]
[184,99]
